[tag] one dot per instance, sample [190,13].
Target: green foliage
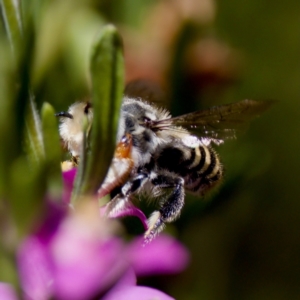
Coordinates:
[12,18]
[107,90]
[34,143]
[52,151]
[31,155]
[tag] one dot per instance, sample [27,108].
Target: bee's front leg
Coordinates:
[122,199]
[171,207]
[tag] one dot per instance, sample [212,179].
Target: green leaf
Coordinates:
[12,20]
[82,166]
[27,189]
[107,72]
[34,143]
[7,120]
[52,150]
[22,47]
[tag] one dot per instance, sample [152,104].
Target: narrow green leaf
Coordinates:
[107,72]
[52,150]
[27,188]
[82,166]
[7,119]
[12,19]
[34,137]
[14,104]
[22,48]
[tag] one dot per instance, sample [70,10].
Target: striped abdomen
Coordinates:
[200,167]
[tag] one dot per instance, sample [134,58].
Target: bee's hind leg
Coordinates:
[171,207]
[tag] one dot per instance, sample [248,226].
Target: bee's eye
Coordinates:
[64,114]
[146,120]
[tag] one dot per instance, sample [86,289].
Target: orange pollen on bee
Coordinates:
[120,167]
[123,149]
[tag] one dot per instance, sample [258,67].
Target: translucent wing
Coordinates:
[217,123]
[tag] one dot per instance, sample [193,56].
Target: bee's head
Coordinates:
[136,118]
[76,113]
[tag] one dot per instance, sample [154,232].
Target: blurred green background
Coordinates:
[244,239]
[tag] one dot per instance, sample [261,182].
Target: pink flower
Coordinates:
[80,257]
[74,260]
[77,255]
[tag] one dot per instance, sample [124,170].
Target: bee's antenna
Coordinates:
[64,114]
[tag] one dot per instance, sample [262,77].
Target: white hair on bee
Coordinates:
[208,141]
[191,141]
[71,126]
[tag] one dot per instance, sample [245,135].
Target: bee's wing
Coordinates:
[218,123]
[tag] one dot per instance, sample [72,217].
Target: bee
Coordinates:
[167,156]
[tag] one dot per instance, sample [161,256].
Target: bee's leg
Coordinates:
[122,199]
[75,160]
[116,205]
[171,207]
[134,184]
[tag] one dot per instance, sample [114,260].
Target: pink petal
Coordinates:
[82,276]
[85,265]
[7,292]
[128,279]
[164,255]
[34,259]
[128,211]
[136,293]
[68,179]
[51,221]
[35,269]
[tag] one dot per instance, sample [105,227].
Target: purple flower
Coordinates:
[136,293]
[126,289]
[164,255]
[80,257]
[77,255]
[68,179]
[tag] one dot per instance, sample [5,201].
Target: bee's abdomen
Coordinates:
[200,167]
[206,174]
